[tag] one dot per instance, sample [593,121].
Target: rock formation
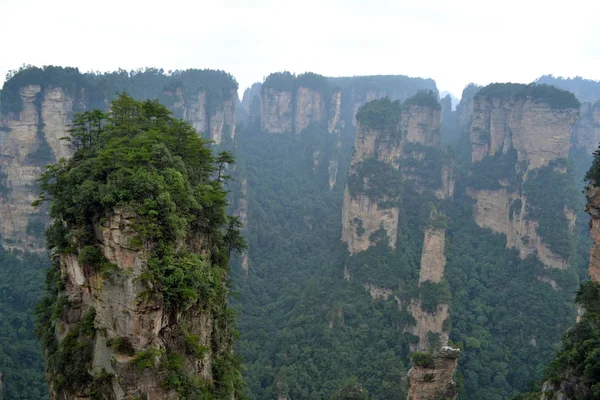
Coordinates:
[137,303]
[291,104]
[29,139]
[432,377]
[30,134]
[433,263]
[517,130]
[385,148]
[586,132]
[214,121]
[593,209]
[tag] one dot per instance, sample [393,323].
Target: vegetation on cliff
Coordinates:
[139,158]
[539,93]
[93,89]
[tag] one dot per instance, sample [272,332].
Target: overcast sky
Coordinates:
[454,42]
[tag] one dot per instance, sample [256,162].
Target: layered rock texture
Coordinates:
[29,139]
[586,132]
[517,134]
[593,209]
[291,104]
[433,262]
[214,121]
[136,305]
[33,118]
[432,379]
[386,149]
[132,326]
[396,155]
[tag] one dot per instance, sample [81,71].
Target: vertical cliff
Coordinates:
[520,137]
[397,161]
[213,117]
[431,377]
[390,137]
[431,309]
[291,103]
[38,104]
[137,297]
[586,132]
[593,209]
[29,139]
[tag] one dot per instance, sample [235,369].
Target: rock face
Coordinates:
[435,380]
[433,264]
[586,132]
[212,120]
[293,111]
[593,209]
[371,208]
[536,133]
[433,258]
[275,111]
[129,324]
[28,140]
[364,213]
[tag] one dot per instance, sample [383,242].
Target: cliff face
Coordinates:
[586,132]
[395,148]
[214,121]
[292,111]
[514,137]
[136,301]
[535,130]
[30,137]
[433,379]
[368,208]
[593,209]
[29,140]
[276,111]
[127,323]
[432,266]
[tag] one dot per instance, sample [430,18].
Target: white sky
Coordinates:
[454,42]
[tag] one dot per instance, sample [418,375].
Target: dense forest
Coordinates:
[308,327]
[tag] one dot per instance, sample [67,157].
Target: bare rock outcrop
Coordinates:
[531,124]
[382,146]
[276,110]
[432,379]
[28,140]
[593,209]
[586,132]
[211,120]
[128,323]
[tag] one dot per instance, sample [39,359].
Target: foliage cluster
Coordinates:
[422,359]
[21,364]
[539,93]
[381,115]
[376,179]
[94,89]
[579,360]
[425,98]
[547,205]
[491,170]
[139,161]
[584,89]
